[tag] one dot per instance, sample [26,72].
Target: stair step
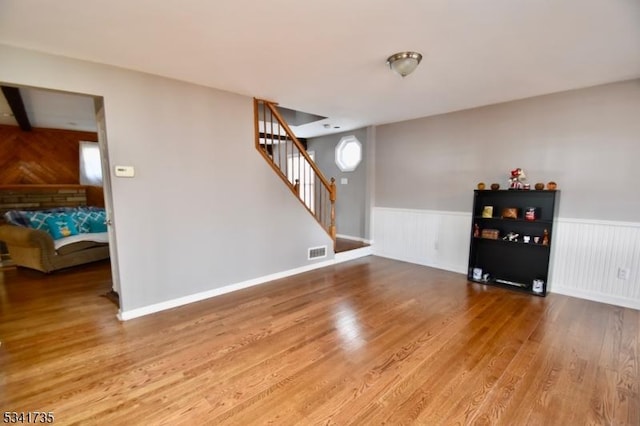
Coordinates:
[345,244]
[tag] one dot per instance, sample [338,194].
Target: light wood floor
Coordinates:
[367,342]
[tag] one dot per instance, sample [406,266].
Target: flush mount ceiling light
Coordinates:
[404,63]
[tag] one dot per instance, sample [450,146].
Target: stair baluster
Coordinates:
[289,159]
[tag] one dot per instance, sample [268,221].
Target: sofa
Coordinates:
[53,239]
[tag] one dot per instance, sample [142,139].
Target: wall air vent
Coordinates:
[317,252]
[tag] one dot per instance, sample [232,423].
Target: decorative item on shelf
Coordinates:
[513,283]
[481,186]
[545,237]
[509,213]
[516,181]
[538,286]
[490,234]
[485,277]
[495,186]
[526,186]
[477,274]
[536,239]
[530,213]
[526,239]
[476,230]
[487,211]
[511,236]
[551,186]
[539,186]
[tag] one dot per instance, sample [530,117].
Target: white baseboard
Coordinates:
[352,254]
[585,258]
[596,297]
[579,267]
[349,237]
[436,265]
[174,303]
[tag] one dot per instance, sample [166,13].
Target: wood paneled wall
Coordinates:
[40,156]
[95,196]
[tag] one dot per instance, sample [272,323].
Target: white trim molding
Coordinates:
[585,257]
[349,237]
[439,239]
[174,303]
[353,254]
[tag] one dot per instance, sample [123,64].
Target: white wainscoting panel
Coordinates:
[586,256]
[432,238]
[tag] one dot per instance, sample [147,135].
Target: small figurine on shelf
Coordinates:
[545,237]
[516,181]
[511,236]
[476,231]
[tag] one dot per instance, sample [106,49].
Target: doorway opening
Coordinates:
[42,135]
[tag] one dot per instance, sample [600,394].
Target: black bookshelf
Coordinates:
[512,264]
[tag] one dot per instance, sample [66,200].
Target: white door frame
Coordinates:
[108,199]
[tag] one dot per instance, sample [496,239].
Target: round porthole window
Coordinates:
[348,153]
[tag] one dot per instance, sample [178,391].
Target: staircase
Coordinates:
[289,159]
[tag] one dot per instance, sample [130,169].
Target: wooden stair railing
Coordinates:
[290,160]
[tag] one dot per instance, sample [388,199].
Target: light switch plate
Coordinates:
[344,181]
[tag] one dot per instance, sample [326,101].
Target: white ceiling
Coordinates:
[328,57]
[53,110]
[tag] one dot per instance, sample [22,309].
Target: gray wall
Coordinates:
[588,141]
[351,208]
[204,210]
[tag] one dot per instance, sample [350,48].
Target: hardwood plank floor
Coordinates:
[371,341]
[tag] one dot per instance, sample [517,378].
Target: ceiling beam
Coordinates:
[14,99]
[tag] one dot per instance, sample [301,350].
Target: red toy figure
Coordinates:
[516,179]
